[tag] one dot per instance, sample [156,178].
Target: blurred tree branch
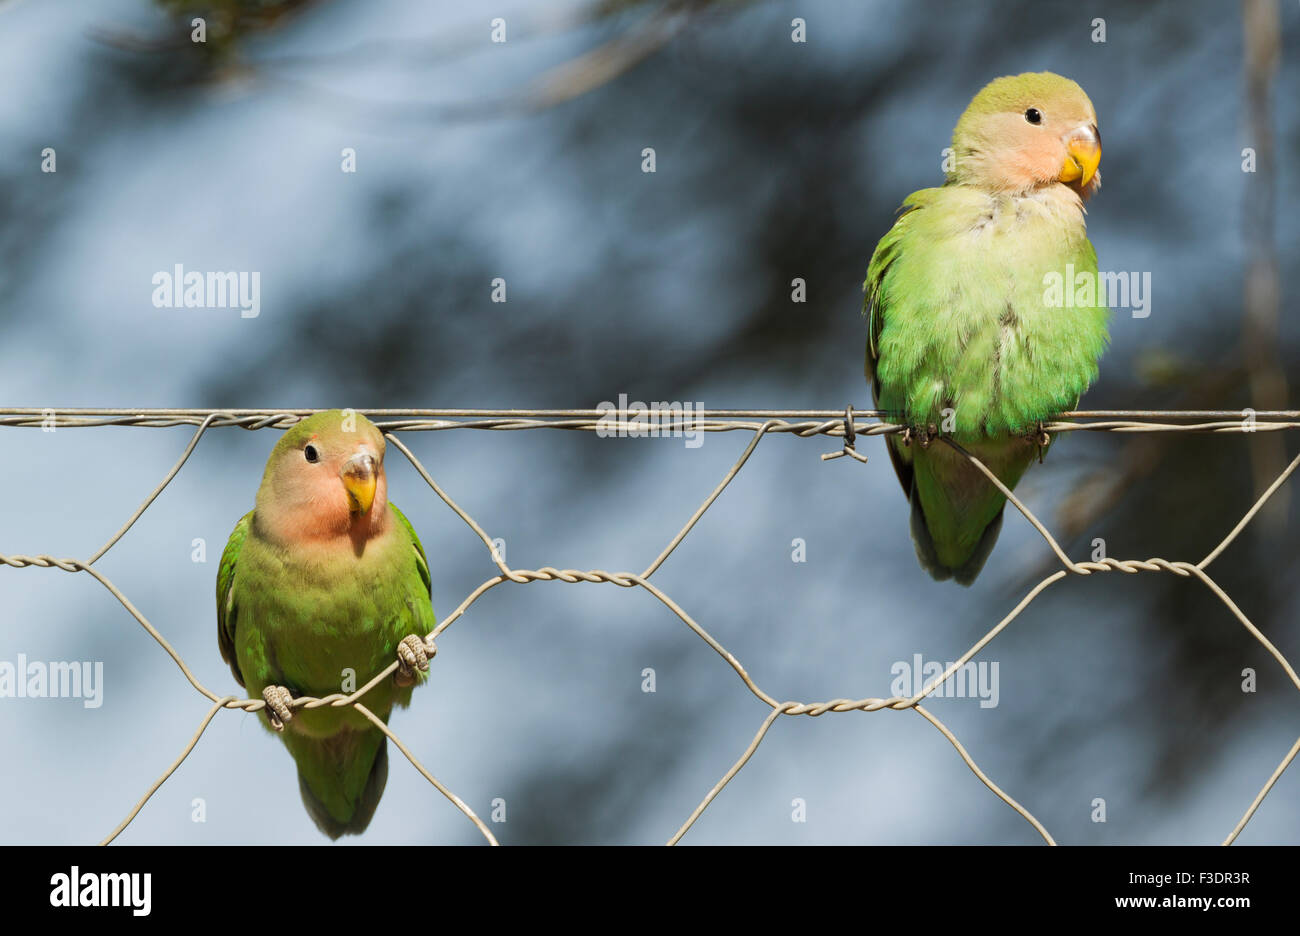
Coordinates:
[1268,384]
[652,25]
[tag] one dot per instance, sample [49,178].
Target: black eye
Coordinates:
[1034,115]
[311,454]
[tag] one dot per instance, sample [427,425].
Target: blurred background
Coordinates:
[523,160]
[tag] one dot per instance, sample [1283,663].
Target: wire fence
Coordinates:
[845,425]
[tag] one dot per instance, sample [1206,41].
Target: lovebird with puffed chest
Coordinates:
[983,324]
[321,586]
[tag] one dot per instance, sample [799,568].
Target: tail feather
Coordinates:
[925,551]
[926,554]
[341,778]
[956,513]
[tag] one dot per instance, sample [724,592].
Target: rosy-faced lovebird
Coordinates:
[321,586]
[985,320]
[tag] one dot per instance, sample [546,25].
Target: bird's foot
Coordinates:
[413,653]
[921,435]
[1042,438]
[277,706]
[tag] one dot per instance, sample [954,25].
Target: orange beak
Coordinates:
[1083,156]
[360,474]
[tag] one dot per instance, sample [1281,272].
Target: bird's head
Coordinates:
[325,479]
[1025,133]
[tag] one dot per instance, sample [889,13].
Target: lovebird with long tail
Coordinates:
[985,320]
[321,586]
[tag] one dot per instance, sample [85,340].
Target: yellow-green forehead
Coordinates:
[334,425]
[1032,89]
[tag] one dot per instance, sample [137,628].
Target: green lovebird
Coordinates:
[323,580]
[985,317]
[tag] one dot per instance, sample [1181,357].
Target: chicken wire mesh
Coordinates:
[845,425]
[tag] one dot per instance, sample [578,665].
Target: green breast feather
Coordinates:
[961,315]
[282,620]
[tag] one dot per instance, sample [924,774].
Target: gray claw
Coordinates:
[413,653]
[277,706]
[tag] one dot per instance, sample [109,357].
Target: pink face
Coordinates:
[326,485]
[1036,146]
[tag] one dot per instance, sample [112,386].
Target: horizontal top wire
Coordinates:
[801,422]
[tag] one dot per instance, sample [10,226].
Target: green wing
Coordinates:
[227,613]
[876,306]
[421,560]
[402,695]
[887,251]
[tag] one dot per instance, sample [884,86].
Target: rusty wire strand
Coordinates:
[802,423]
